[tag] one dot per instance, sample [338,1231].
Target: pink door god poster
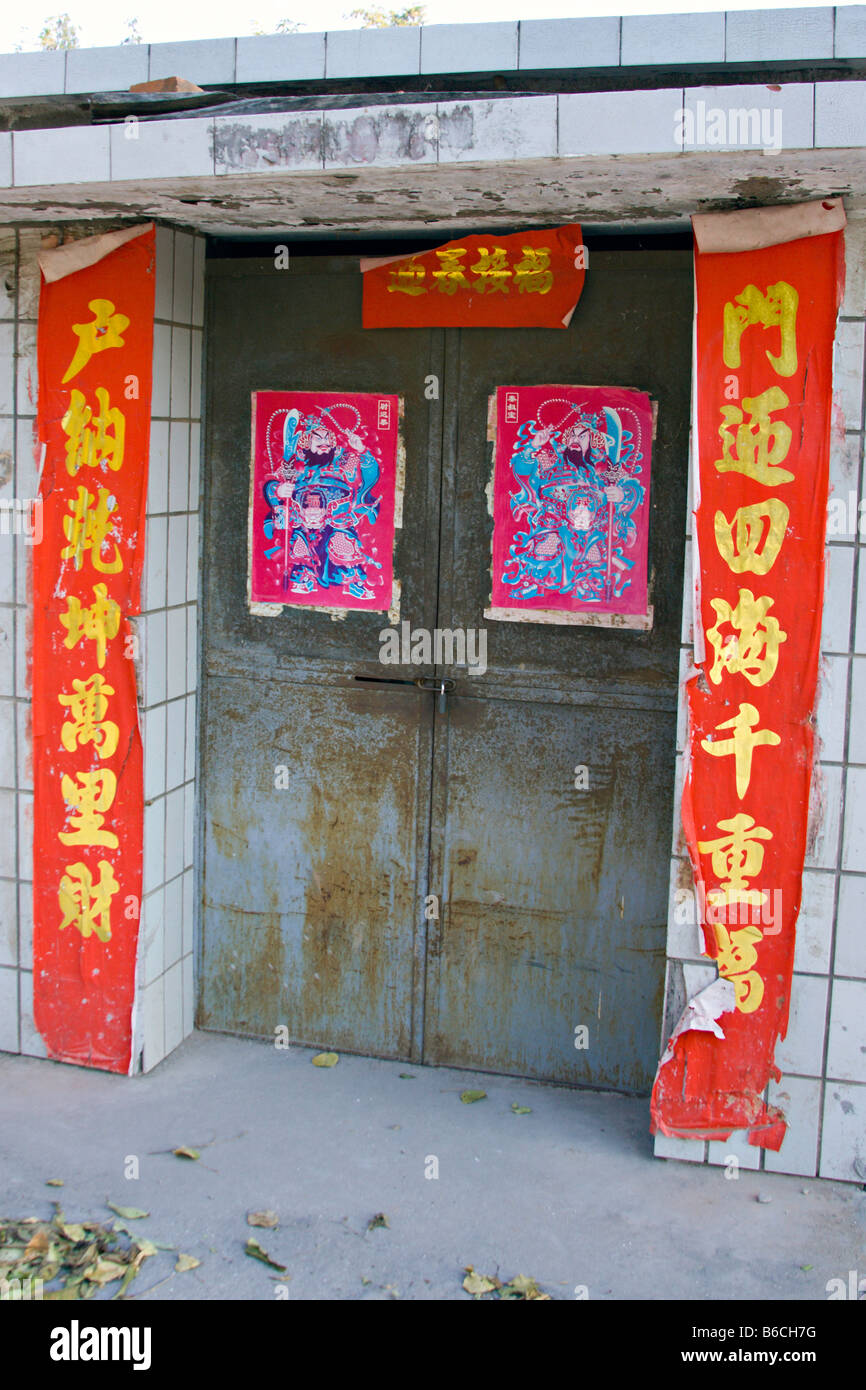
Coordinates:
[571,500]
[324,475]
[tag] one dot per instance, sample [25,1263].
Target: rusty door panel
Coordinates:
[312,890]
[554,898]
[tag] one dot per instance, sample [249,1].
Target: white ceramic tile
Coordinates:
[850,958]
[825,805]
[8,867]
[643,122]
[684,940]
[178,466]
[32,74]
[173,1007]
[175,745]
[831,706]
[850,37]
[843,1135]
[176,645]
[183,260]
[177,559]
[152,938]
[25,747]
[848,371]
[857,731]
[180,352]
[774,35]
[7,744]
[801,1052]
[8,926]
[860,629]
[198,281]
[720,1152]
[382,136]
[748,117]
[153,734]
[840,115]
[188,889]
[162,150]
[157,482]
[207,62]
[7,652]
[174,846]
[25,835]
[194,465]
[854,837]
[846,1054]
[468,47]
[29,274]
[814,927]
[799,1098]
[31,1042]
[836,625]
[195,375]
[688,1150]
[153,1023]
[510,128]
[152,631]
[154,845]
[191,731]
[8,1006]
[65,155]
[28,459]
[7,368]
[854,303]
[164,288]
[155,557]
[188,995]
[189,799]
[173,922]
[192,559]
[569,43]
[25,926]
[391,52]
[112,69]
[843,510]
[281,57]
[23,627]
[192,648]
[161,388]
[673,38]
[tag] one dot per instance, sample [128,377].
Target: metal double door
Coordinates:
[427,882]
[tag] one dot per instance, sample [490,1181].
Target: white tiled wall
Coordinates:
[168,631]
[169,636]
[823,1056]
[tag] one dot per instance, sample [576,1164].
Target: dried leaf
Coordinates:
[407,1076]
[53,1182]
[477,1284]
[74,1232]
[524,1287]
[380,1219]
[253,1249]
[469,1097]
[185,1262]
[128,1213]
[67,1292]
[105,1272]
[38,1244]
[520,1109]
[326,1059]
[184,1152]
[145,1249]
[268,1219]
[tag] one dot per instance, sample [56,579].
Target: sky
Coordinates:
[101,22]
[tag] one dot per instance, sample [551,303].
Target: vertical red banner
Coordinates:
[95,347]
[764,338]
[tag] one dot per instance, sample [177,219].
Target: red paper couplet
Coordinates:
[95,347]
[765,326]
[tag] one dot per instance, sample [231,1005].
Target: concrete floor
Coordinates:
[569,1194]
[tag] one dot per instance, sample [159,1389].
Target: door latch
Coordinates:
[440,685]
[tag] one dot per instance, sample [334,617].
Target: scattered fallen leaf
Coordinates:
[520,1109]
[326,1059]
[524,1287]
[364,1279]
[468,1097]
[380,1219]
[146,1248]
[184,1152]
[38,1244]
[807,1267]
[105,1271]
[128,1213]
[185,1262]
[407,1076]
[53,1182]
[263,1218]
[253,1249]
[477,1284]
[73,1232]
